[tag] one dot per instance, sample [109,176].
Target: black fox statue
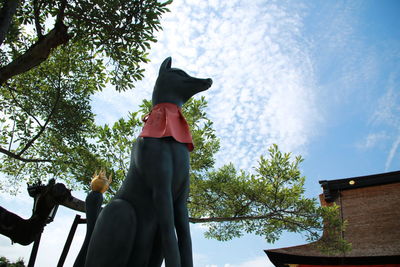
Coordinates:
[147,221]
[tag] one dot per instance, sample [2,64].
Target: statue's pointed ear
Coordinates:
[165,65]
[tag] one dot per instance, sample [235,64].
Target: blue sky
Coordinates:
[318,78]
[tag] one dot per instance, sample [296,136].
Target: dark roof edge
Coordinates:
[280,259]
[330,187]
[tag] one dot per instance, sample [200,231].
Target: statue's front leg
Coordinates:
[183,229]
[156,164]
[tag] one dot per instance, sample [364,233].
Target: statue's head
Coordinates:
[176,86]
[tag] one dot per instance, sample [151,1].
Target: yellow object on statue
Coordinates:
[100,182]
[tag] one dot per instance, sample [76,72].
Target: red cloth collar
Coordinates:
[166,119]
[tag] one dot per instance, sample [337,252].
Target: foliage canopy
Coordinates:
[116,33]
[54,55]
[4,262]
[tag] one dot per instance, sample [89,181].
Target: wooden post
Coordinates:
[35,248]
[71,234]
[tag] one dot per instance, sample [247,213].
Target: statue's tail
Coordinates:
[94,200]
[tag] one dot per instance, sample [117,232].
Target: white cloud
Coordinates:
[393,150]
[388,113]
[337,24]
[263,89]
[388,108]
[372,140]
[263,79]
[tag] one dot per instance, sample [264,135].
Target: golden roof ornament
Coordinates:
[100,182]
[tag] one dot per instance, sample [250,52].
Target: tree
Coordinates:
[120,31]
[54,55]
[4,262]
[233,202]
[266,203]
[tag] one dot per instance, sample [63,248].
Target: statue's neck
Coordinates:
[156,101]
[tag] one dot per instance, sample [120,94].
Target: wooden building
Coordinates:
[371,206]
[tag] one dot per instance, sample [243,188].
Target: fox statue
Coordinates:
[147,221]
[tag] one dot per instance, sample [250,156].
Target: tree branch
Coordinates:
[38,52]
[18,157]
[229,219]
[272,215]
[61,12]
[6,14]
[36,8]
[19,104]
[30,143]
[12,133]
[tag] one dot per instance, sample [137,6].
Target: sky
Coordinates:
[319,78]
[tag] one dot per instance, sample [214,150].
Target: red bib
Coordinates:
[166,119]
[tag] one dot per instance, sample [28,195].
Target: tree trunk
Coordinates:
[6,14]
